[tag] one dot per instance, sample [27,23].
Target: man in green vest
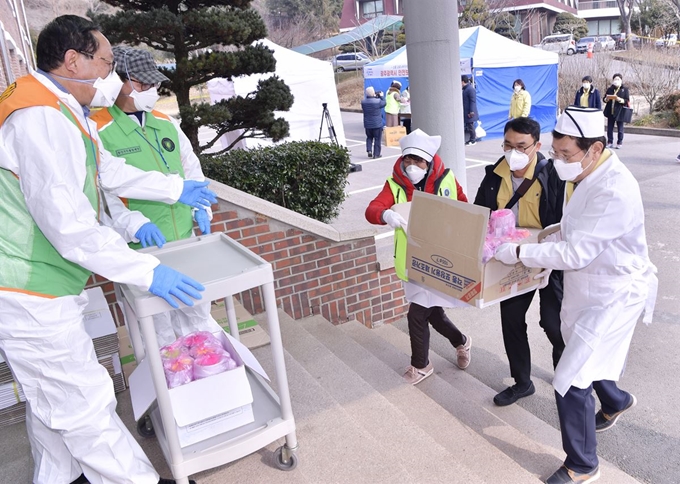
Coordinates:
[152,141]
[420,168]
[52,165]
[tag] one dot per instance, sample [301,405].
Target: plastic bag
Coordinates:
[479,131]
[212,364]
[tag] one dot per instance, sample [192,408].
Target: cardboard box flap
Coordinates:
[464,232]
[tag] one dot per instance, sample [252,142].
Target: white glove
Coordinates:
[507,254]
[544,275]
[393,219]
[555,236]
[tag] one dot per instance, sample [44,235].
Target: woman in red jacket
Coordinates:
[420,168]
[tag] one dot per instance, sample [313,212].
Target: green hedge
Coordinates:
[308,177]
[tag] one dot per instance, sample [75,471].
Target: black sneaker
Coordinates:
[511,394]
[370,154]
[567,476]
[471,143]
[605,422]
[377,156]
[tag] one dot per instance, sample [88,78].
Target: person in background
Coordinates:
[539,207]
[616,97]
[587,96]
[609,282]
[152,141]
[470,114]
[419,168]
[53,166]
[520,102]
[392,107]
[405,109]
[372,106]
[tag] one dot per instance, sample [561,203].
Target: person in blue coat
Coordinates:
[470,114]
[372,106]
[587,96]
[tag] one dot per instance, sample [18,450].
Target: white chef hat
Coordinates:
[418,143]
[581,122]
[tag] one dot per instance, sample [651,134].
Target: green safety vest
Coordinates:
[447,188]
[155,147]
[29,262]
[392,106]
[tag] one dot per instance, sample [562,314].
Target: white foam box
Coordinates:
[207,407]
[444,253]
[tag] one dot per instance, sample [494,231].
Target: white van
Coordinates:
[560,43]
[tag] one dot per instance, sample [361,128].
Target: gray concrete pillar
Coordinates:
[433,55]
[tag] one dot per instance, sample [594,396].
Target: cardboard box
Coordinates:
[203,408]
[444,253]
[393,135]
[127,355]
[250,333]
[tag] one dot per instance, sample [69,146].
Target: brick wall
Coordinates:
[312,275]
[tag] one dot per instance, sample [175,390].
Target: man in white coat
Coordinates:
[609,281]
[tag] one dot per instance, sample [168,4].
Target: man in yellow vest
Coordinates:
[539,205]
[419,168]
[52,166]
[152,141]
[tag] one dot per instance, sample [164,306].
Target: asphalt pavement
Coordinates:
[646,441]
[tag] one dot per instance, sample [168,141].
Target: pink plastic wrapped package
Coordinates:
[179,371]
[212,364]
[174,349]
[501,222]
[207,348]
[198,338]
[491,243]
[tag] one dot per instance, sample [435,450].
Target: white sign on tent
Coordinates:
[398,67]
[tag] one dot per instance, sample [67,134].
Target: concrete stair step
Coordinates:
[521,435]
[409,451]
[471,451]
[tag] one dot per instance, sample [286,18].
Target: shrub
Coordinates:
[667,102]
[308,177]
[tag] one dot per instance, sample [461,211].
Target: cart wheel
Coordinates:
[278,460]
[145,427]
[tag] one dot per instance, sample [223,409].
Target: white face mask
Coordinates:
[586,86]
[518,88]
[570,171]
[415,173]
[617,83]
[516,160]
[145,100]
[107,91]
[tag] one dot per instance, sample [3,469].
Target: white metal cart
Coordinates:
[225,268]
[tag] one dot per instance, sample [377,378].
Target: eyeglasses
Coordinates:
[145,87]
[520,149]
[552,154]
[110,63]
[413,160]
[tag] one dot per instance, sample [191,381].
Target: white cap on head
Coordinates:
[370,92]
[581,122]
[418,143]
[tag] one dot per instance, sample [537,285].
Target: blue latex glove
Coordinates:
[168,282]
[201,217]
[149,234]
[196,195]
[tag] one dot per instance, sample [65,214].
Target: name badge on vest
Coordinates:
[128,151]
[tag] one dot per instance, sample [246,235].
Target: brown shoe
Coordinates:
[463,353]
[415,375]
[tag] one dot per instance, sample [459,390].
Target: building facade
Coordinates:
[16,50]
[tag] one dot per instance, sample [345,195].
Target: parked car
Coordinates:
[560,43]
[349,62]
[582,45]
[669,40]
[607,43]
[620,40]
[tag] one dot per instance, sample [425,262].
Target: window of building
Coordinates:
[371,8]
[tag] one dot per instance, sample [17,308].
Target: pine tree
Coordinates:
[208,39]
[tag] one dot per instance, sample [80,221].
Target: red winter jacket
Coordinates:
[385,199]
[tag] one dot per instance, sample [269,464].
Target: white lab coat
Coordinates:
[608,277]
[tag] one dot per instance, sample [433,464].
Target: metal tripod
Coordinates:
[326,116]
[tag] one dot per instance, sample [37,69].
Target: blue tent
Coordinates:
[495,62]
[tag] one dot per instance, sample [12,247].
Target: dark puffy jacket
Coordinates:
[623,94]
[372,108]
[594,100]
[470,104]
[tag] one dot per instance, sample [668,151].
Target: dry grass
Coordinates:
[351,92]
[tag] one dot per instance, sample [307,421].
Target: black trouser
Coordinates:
[373,141]
[610,131]
[418,318]
[470,134]
[515,338]
[407,124]
[576,410]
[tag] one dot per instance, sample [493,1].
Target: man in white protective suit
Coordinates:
[52,166]
[609,282]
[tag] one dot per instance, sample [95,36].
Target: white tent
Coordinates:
[312,83]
